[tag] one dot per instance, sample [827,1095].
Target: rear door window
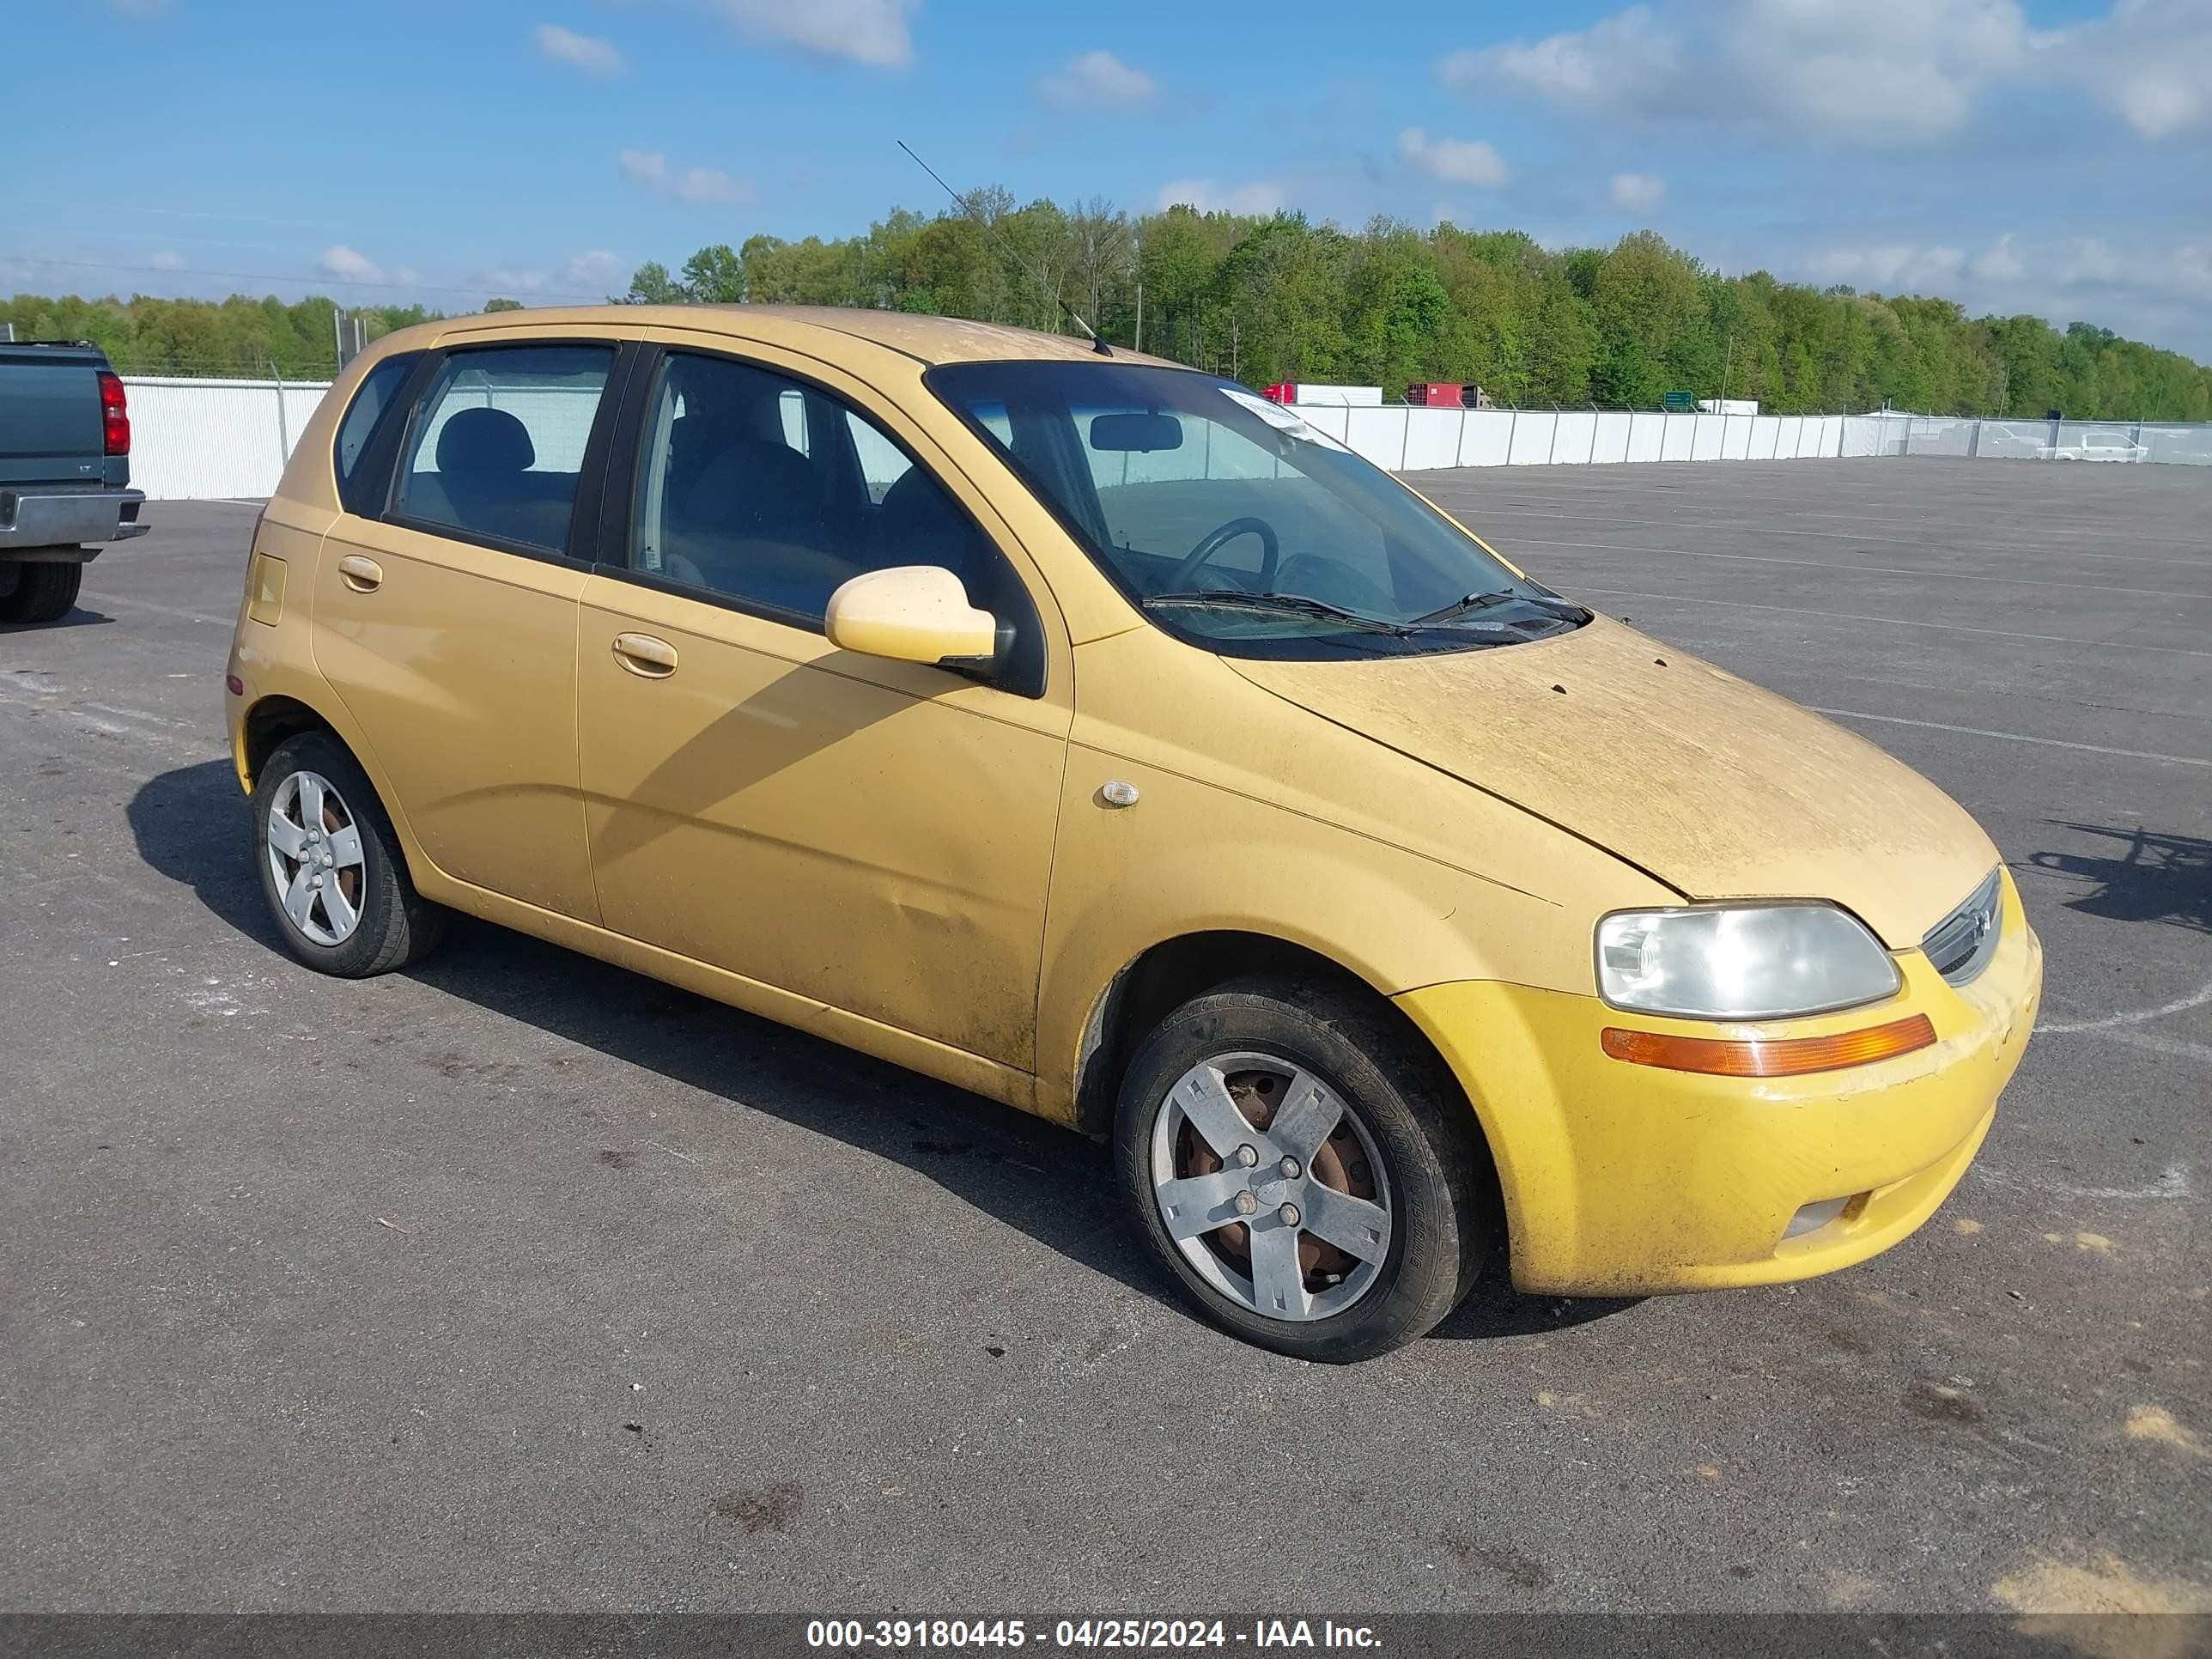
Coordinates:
[498,449]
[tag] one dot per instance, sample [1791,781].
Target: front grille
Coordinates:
[1961,945]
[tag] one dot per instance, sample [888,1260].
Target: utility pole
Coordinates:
[1727,367]
[1139,345]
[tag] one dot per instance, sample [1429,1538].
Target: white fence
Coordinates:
[1406,439]
[198,439]
[194,440]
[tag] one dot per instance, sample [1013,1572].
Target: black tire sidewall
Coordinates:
[368,947]
[1437,1209]
[41,592]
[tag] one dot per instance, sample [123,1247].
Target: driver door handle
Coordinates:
[364,575]
[646,656]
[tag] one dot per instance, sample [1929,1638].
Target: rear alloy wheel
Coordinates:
[1300,1165]
[331,864]
[315,858]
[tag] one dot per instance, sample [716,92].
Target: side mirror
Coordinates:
[911,613]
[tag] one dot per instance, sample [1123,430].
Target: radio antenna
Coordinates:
[968,207]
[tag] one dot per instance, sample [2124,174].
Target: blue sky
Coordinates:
[2049,155]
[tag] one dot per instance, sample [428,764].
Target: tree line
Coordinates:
[1278,297]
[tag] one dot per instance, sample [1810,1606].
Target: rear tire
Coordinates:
[41,592]
[331,866]
[1388,1162]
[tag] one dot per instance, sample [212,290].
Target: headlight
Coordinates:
[1740,962]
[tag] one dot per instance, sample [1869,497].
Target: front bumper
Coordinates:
[1623,1179]
[57,517]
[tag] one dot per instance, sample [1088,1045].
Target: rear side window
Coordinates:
[363,416]
[500,444]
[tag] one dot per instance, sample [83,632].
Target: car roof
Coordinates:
[927,339]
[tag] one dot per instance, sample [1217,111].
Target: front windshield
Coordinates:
[1235,524]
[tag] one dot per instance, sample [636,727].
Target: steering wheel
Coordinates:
[1214,540]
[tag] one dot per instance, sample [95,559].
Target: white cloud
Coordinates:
[704,186]
[2000,262]
[1099,79]
[166,261]
[507,281]
[1629,56]
[594,269]
[593,56]
[1889,267]
[2144,291]
[1454,160]
[870,32]
[2150,61]
[342,263]
[1262,196]
[1895,72]
[1638,192]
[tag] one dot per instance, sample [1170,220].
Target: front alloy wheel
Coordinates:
[1271,1186]
[1301,1161]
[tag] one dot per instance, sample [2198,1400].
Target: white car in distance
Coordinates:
[2095,446]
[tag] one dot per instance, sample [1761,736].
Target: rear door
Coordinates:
[444,616]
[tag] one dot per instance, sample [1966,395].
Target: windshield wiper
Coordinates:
[1550,604]
[1290,604]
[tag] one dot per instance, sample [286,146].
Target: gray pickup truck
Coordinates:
[64,473]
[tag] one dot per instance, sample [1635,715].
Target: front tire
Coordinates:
[41,592]
[331,866]
[1304,1169]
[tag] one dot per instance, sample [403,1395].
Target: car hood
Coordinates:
[1719,789]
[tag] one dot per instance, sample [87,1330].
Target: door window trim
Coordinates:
[616,527]
[584,512]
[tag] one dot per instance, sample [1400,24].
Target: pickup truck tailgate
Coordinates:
[51,429]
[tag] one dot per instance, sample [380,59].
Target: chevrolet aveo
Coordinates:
[1087,732]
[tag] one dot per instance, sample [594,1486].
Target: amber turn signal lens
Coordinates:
[1784,1057]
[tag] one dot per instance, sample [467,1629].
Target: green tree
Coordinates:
[1278,297]
[651,285]
[715,276]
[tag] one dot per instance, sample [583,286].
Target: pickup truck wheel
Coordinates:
[331,866]
[1297,1164]
[40,592]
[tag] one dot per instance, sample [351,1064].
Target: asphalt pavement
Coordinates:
[520,1281]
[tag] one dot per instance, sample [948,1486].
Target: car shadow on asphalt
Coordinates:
[2137,875]
[192,825]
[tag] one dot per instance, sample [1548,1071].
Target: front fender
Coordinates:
[1192,858]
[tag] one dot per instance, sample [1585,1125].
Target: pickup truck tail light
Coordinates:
[115,414]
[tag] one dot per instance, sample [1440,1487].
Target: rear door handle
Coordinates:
[360,574]
[642,654]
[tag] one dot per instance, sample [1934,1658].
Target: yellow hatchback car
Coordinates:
[1088,732]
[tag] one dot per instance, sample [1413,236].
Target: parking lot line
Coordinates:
[1894,622]
[1555,515]
[2008,736]
[1924,572]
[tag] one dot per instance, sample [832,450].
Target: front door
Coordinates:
[447,621]
[874,836]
